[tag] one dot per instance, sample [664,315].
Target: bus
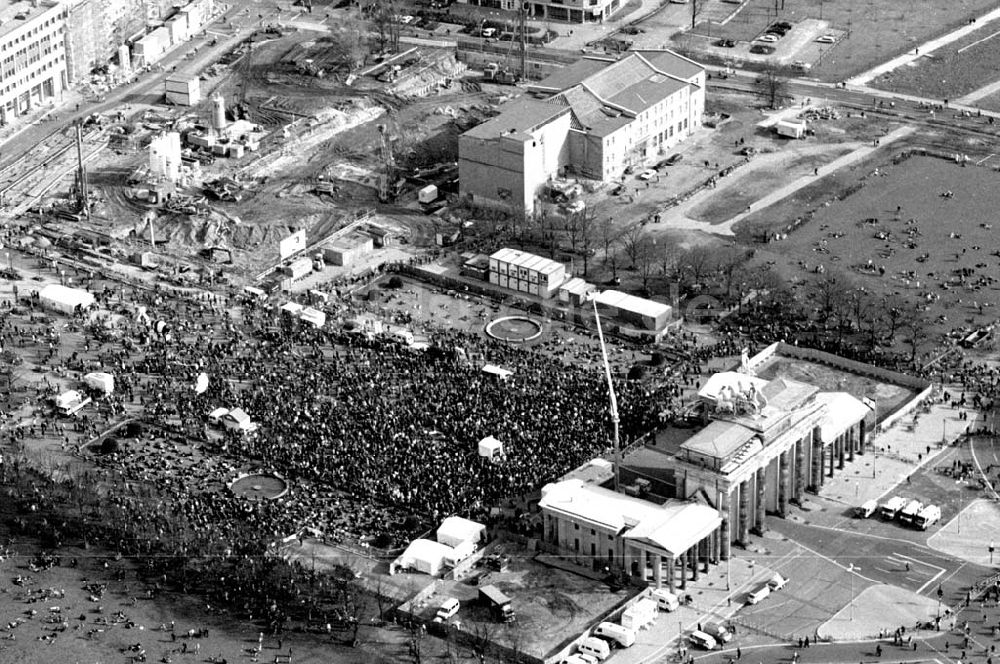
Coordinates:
[927,517]
[891,508]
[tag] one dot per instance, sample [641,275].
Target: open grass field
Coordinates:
[951,71]
[921,247]
[877,31]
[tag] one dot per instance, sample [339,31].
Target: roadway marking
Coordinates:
[929,582]
[980,162]
[975,459]
[978,41]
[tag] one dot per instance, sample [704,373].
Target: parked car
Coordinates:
[406,20]
[647,174]
[726,43]
[574,207]
[777,582]
[826,39]
[769,38]
[489,32]
[674,159]
[762,49]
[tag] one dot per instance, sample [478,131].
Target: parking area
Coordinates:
[805,42]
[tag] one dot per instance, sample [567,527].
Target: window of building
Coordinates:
[593,532]
[576,526]
[685,123]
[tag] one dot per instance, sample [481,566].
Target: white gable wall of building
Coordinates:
[511,170]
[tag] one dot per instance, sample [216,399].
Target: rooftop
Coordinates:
[518,118]
[674,526]
[638,305]
[18,14]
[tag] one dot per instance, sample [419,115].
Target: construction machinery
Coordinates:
[210,252]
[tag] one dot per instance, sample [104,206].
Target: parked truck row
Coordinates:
[910,512]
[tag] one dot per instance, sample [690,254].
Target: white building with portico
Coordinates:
[597,527]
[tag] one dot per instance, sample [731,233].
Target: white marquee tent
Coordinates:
[65,299]
[455,530]
[490,448]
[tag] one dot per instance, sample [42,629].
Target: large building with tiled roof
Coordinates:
[592,119]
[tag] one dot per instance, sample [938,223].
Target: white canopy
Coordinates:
[100,380]
[293,308]
[425,556]
[314,316]
[68,398]
[490,448]
[499,372]
[456,530]
[65,299]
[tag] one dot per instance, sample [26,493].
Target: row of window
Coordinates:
[34,31]
[21,81]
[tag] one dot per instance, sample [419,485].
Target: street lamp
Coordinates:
[991,551]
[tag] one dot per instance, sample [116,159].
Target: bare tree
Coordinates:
[915,325]
[608,235]
[588,227]
[645,260]
[631,239]
[827,294]
[772,85]
[894,308]
[698,263]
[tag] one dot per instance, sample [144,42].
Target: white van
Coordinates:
[623,636]
[866,510]
[702,640]
[759,594]
[665,600]
[449,608]
[595,647]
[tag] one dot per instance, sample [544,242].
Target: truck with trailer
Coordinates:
[498,603]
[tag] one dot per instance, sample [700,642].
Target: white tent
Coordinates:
[455,530]
[292,308]
[68,398]
[499,372]
[100,380]
[216,415]
[425,556]
[490,448]
[314,316]
[201,384]
[65,299]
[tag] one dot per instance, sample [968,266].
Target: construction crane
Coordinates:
[387,179]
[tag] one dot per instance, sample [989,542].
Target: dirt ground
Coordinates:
[875,31]
[951,71]
[890,396]
[921,256]
[551,604]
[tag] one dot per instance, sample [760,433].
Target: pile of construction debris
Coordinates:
[820,113]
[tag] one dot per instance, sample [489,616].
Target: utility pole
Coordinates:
[694,11]
[613,400]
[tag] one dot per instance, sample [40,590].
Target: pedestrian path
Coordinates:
[924,49]
[677,217]
[899,452]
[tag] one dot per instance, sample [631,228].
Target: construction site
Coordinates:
[284,131]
